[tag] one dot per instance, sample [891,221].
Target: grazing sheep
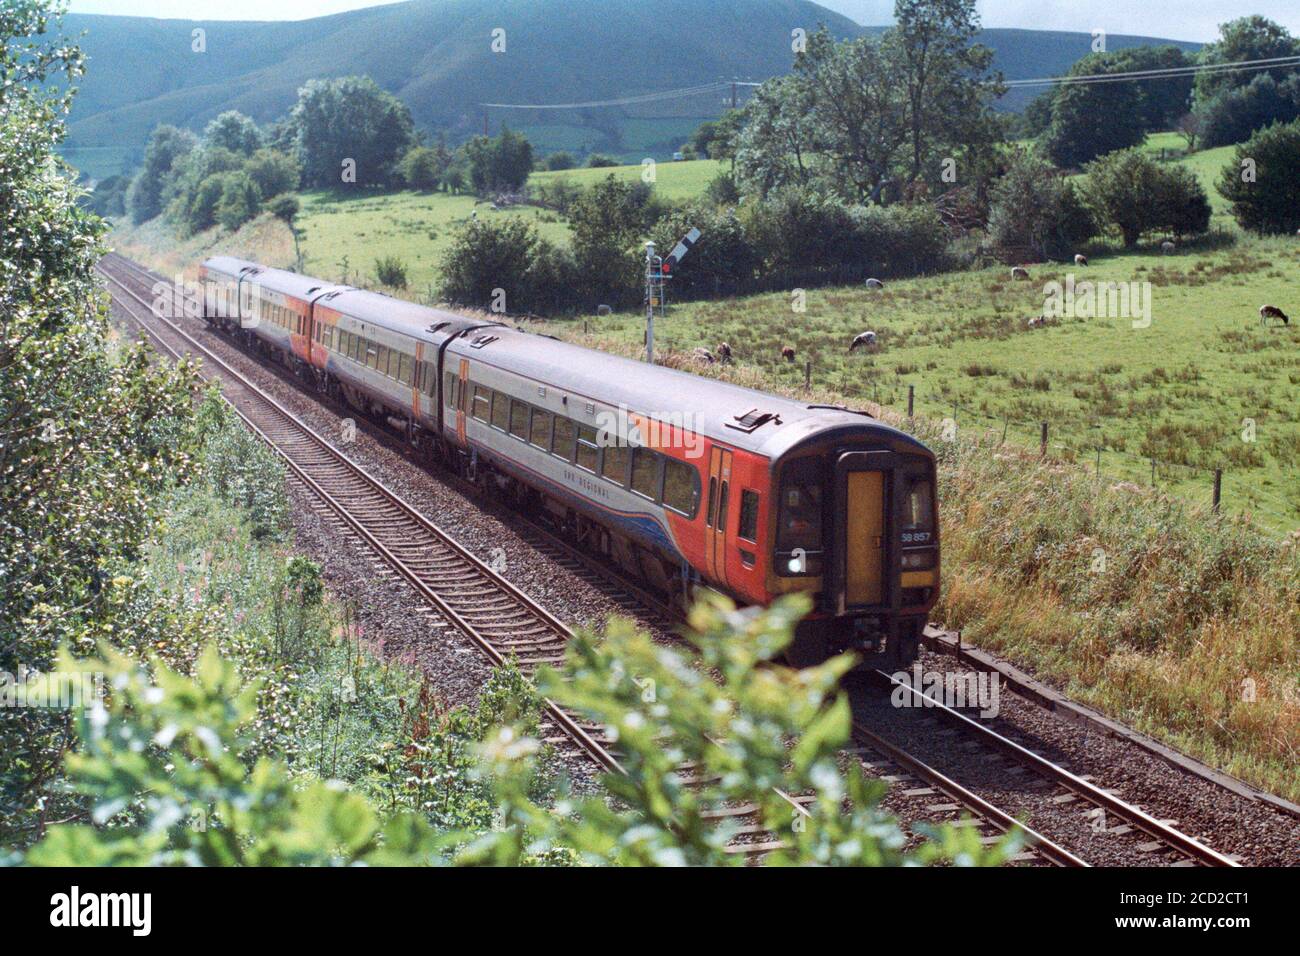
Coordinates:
[1080,259]
[787,353]
[866,340]
[603,310]
[703,355]
[724,352]
[875,284]
[1037,321]
[1167,247]
[1020,272]
[1267,312]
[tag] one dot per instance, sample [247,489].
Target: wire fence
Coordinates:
[1222,488]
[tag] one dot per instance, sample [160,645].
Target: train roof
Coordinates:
[742,417]
[383,311]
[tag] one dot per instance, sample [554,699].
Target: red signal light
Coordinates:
[668,265]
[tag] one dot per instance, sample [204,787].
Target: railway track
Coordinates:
[503,622]
[464,592]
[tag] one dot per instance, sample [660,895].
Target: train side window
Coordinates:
[482,401]
[540,435]
[681,487]
[404,368]
[449,389]
[381,360]
[646,472]
[722,506]
[519,420]
[749,515]
[713,502]
[588,453]
[500,411]
[372,354]
[356,347]
[614,466]
[566,435]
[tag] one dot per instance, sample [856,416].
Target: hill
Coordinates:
[437,56]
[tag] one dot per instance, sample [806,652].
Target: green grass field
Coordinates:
[673,182]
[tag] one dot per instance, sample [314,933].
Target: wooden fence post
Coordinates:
[911,400]
[1218,489]
[807,376]
[1042,442]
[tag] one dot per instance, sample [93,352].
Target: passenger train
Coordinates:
[682,481]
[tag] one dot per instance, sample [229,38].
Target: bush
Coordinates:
[391,271]
[560,160]
[1270,204]
[274,172]
[501,163]
[899,240]
[508,255]
[600,161]
[284,207]
[1036,213]
[1234,114]
[722,190]
[608,221]
[722,262]
[1137,195]
[240,200]
[804,237]
[422,168]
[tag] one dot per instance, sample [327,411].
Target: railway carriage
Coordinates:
[683,482]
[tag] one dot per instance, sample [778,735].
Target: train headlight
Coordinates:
[917,560]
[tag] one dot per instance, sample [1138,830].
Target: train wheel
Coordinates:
[810,646]
[904,646]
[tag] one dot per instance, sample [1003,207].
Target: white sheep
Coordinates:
[875,284]
[1020,272]
[866,340]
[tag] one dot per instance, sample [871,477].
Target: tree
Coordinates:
[1235,114]
[717,138]
[560,160]
[274,172]
[1246,38]
[600,161]
[776,146]
[240,199]
[949,89]
[607,222]
[501,163]
[1137,195]
[167,146]
[487,256]
[1035,212]
[1077,133]
[1268,201]
[91,437]
[350,124]
[1189,127]
[234,131]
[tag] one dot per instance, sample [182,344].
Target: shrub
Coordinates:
[391,271]
[508,255]
[803,237]
[722,262]
[722,190]
[240,200]
[1271,203]
[1234,114]
[600,161]
[608,220]
[1036,213]
[274,172]
[284,207]
[899,240]
[1137,195]
[560,160]
[422,167]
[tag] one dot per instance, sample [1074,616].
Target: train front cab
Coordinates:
[858,528]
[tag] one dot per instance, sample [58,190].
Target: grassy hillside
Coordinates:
[436,55]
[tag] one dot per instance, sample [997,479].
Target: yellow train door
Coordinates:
[719,504]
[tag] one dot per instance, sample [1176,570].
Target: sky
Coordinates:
[1171,19]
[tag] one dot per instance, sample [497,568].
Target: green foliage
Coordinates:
[1235,113]
[240,200]
[1270,203]
[601,161]
[752,732]
[284,207]
[234,131]
[1136,195]
[607,222]
[350,118]
[723,260]
[167,146]
[423,167]
[244,471]
[1076,136]
[1036,213]
[499,164]
[108,199]
[508,255]
[90,437]
[716,139]
[559,160]
[1246,38]
[274,172]
[391,271]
